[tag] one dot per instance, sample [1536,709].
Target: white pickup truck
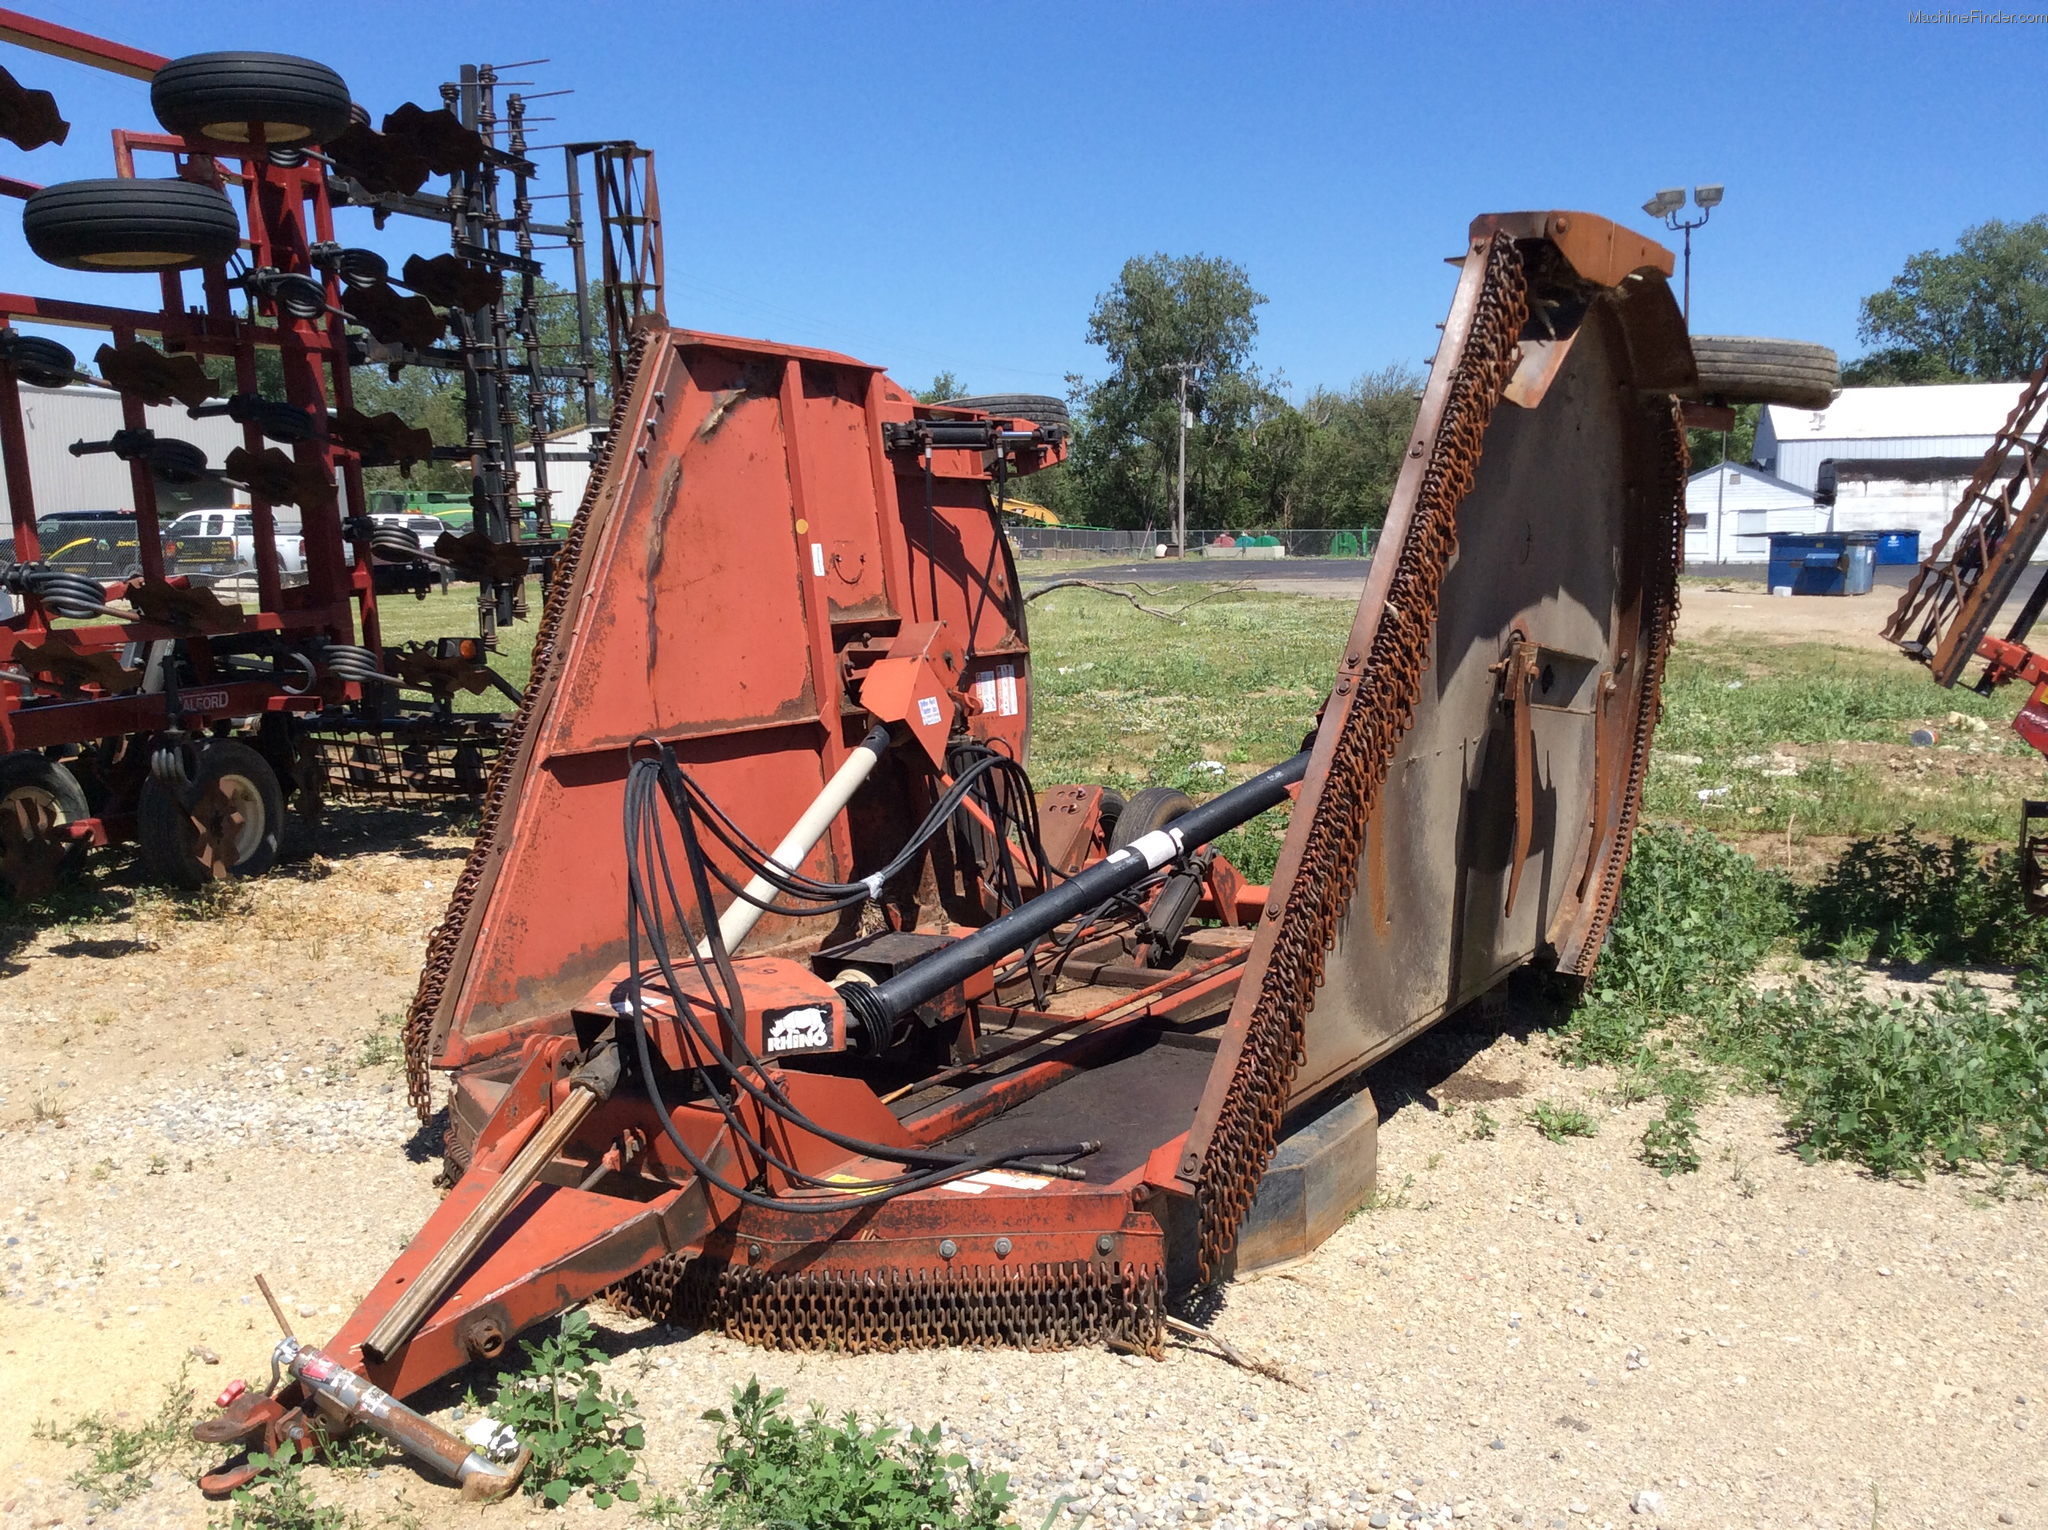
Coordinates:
[241,525]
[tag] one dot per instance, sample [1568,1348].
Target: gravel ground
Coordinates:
[1524,1332]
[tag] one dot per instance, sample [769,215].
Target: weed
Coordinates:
[579,1430]
[124,1458]
[46,1109]
[1385,1199]
[771,1469]
[1558,1122]
[103,1169]
[1671,1143]
[1483,1124]
[279,1498]
[383,1046]
[1738,1174]
[158,1164]
[1900,898]
[1695,918]
[1433,1160]
[1897,1085]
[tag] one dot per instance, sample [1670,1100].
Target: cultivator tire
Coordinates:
[1744,369]
[131,225]
[1152,808]
[223,95]
[1038,408]
[227,823]
[38,796]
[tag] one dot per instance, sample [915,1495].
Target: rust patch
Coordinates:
[657,547]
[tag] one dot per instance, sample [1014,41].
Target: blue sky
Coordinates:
[950,186]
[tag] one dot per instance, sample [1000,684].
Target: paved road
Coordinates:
[1182,570]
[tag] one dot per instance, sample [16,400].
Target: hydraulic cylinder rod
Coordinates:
[879,1006]
[743,913]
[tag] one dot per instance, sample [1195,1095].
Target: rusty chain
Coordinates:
[1249,1124]
[419,1019]
[1041,1306]
[1668,554]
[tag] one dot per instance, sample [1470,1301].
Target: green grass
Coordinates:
[1133,700]
[1731,704]
[405,618]
[1899,1086]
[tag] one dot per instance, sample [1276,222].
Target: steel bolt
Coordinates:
[1105,1244]
[1002,1248]
[753,1251]
[948,1248]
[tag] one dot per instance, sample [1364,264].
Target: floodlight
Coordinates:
[1706,196]
[1654,207]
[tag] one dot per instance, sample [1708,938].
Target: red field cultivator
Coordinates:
[776,998]
[141,700]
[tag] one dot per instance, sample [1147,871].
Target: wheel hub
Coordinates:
[227,820]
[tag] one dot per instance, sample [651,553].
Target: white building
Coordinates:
[53,418]
[1732,508]
[568,460]
[1887,459]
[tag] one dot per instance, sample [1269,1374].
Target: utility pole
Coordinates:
[1180,477]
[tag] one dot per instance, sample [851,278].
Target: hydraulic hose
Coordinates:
[877,1007]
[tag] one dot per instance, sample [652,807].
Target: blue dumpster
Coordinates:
[1831,563]
[1897,547]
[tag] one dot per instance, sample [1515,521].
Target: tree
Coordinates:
[943,387]
[1168,321]
[1709,447]
[1980,313]
[1356,442]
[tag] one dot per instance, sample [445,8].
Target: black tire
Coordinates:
[232,779]
[40,363]
[1742,369]
[1112,809]
[128,225]
[36,794]
[1038,408]
[219,95]
[1152,808]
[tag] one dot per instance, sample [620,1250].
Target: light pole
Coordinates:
[1666,205]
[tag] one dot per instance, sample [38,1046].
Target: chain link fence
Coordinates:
[1301,542]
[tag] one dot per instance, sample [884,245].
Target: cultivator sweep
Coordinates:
[1002,1064]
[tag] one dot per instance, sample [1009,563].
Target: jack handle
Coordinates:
[590,1085]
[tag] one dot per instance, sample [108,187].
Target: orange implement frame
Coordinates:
[1971,570]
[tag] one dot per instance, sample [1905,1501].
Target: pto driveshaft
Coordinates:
[877,1007]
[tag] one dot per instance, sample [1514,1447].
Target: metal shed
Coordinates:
[56,417]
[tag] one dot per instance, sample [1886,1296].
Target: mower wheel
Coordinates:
[227,823]
[222,95]
[1153,808]
[131,225]
[1112,809]
[1038,408]
[1742,369]
[38,796]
